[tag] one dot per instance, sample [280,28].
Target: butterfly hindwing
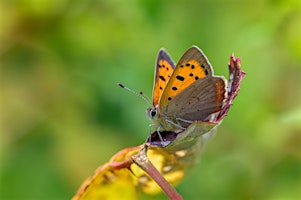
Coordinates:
[163,72]
[192,66]
[198,101]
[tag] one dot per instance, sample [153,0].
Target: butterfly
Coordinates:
[185,92]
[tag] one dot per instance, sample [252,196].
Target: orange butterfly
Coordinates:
[197,96]
[185,93]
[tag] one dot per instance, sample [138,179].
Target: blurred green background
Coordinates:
[62,114]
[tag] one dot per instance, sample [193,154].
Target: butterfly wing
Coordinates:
[163,72]
[192,66]
[199,100]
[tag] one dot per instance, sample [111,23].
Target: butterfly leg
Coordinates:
[163,142]
[151,125]
[177,125]
[158,131]
[184,120]
[160,136]
[150,131]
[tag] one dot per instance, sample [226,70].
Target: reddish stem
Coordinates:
[144,163]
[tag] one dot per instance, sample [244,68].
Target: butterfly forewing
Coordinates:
[198,101]
[163,72]
[192,66]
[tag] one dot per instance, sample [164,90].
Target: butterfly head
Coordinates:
[160,121]
[152,112]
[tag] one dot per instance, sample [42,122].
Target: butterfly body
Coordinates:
[186,92]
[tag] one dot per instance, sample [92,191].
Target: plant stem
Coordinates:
[144,163]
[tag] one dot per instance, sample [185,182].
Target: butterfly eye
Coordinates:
[153,113]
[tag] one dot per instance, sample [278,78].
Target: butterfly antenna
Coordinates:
[140,94]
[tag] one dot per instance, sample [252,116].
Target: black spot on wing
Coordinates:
[180,78]
[162,78]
